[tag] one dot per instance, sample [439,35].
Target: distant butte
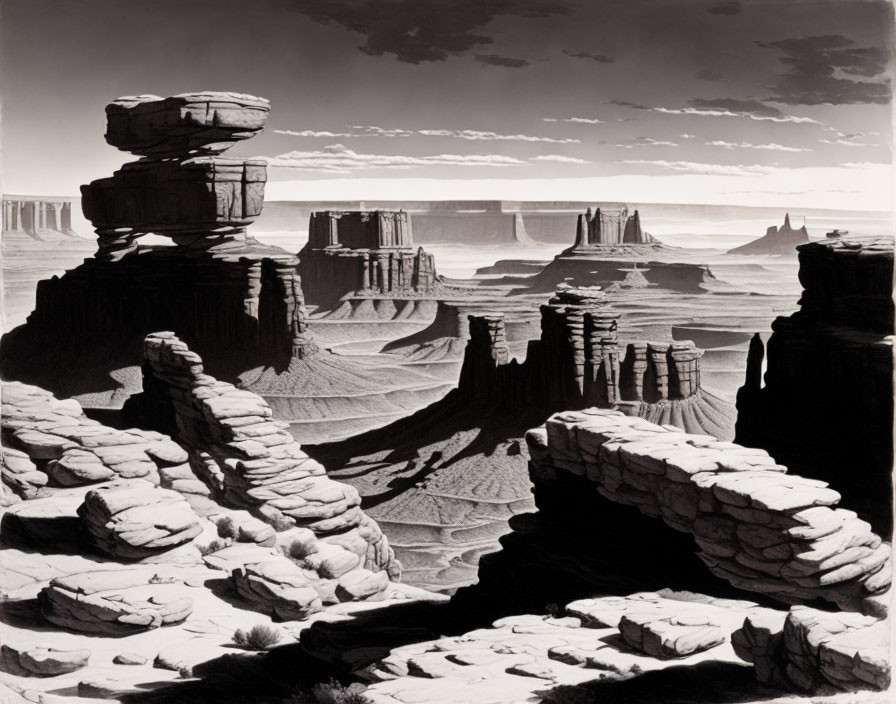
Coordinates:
[783,240]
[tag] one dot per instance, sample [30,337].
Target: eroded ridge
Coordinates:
[246,457]
[756,526]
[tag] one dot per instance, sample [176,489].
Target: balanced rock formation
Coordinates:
[216,286]
[370,253]
[248,459]
[826,408]
[783,240]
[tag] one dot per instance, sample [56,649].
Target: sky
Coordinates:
[699,101]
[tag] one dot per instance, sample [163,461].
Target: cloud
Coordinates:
[339,159]
[747,145]
[627,104]
[498,60]
[725,107]
[828,69]
[600,58]
[415,31]
[694,167]
[686,136]
[579,120]
[848,142]
[644,142]
[478,135]
[732,7]
[472,135]
[356,131]
[560,157]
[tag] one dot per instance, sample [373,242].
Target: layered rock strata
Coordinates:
[811,648]
[364,252]
[826,407]
[218,288]
[755,525]
[248,459]
[180,188]
[577,363]
[46,438]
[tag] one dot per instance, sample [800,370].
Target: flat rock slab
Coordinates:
[116,602]
[672,636]
[40,661]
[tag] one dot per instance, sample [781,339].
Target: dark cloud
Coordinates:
[600,58]
[823,70]
[725,8]
[498,60]
[627,104]
[707,74]
[416,31]
[749,107]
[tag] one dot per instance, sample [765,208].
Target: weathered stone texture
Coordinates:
[756,526]
[248,459]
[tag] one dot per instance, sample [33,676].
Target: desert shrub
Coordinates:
[227,528]
[553,610]
[260,637]
[185,672]
[332,692]
[213,546]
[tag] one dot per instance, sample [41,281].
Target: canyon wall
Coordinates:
[826,407]
[577,363]
[36,215]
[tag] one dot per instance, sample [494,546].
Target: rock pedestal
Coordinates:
[180,188]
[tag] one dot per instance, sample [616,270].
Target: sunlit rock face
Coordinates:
[777,240]
[365,252]
[826,407]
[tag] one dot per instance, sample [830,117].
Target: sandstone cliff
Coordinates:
[783,240]
[826,407]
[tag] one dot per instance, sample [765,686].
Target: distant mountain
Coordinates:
[781,240]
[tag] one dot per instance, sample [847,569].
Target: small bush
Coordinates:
[227,528]
[260,637]
[332,692]
[214,546]
[185,672]
[553,610]
[300,549]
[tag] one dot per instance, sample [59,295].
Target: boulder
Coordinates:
[41,661]
[279,588]
[137,520]
[116,602]
[670,637]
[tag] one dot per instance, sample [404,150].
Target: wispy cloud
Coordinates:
[478,135]
[695,167]
[686,136]
[731,113]
[577,120]
[561,158]
[772,147]
[497,60]
[471,135]
[599,58]
[643,142]
[339,159]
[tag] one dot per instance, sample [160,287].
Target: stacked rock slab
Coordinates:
[234,299]
[809,648]
[826,409]
[180,188]
[756,526]
[247,458]
[46,438]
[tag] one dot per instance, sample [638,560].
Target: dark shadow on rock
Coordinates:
[708,682]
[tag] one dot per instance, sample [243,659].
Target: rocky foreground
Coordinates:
[126,563]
